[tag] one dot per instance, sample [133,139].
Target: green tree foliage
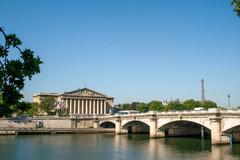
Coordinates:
[190,104]
[1,101]
[125,106]
[33,111]
[47,104]
[175,105]
[209,104]
[21,108]
[142,107]
[13,72]
[155,106]
[236,4]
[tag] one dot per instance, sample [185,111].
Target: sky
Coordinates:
[133,50]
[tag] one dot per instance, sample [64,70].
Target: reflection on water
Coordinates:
[112,147]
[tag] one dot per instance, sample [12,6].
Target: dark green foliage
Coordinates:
[21,108]
[13,73]
[191,104]
[125,106]
[175,105]
[155,106]
[236,4]
[47,104]
[33,111]
[209,104]
[128,106]
[142,107]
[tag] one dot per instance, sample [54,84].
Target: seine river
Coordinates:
[111,147]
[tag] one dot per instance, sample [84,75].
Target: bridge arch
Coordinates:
[184,128]
[136,126]
[229,124]
[204,123]
[233,132]
[107,124]
[144,121]
[233,129]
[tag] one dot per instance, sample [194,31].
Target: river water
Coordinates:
[111,147]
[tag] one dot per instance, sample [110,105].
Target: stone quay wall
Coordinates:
[47,122]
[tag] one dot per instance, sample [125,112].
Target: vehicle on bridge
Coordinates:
[127,112]
[198,109]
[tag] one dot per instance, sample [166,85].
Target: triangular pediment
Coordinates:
[85,92]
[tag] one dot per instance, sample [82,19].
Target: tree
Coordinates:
[125,106]
[175,105]
[48,104]
[34,110]
[209,104]
[155,106]
[142,107]
[1,101]
[191,104]
[13,72]
[21,107]
[236,4]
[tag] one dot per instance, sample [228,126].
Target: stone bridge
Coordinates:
[222,126]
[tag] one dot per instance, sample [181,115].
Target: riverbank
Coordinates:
[21,131]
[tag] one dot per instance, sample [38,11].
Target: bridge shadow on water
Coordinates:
[139,137]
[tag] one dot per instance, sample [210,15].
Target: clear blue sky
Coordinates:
[134,50]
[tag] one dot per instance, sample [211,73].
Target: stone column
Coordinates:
[70,109]
[82,106]
[94,110]
[118,126]
[66,106]
[96,123]
[66,103]
[86,106]
[90,106]
[216,136]
[78,106]
[97,105]
[101,107]
[153,128]
[74,106]
[105,107]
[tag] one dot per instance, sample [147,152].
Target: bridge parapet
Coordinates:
[203,113]
[218,121]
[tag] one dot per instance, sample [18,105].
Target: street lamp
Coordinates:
[228,101]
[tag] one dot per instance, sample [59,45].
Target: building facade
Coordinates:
[80,102]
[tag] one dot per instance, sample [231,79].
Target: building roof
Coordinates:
[79,92]
[85,92]
[45,94]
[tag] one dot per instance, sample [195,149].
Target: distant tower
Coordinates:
[202,91]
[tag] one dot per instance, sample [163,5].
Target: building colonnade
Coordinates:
[86,106]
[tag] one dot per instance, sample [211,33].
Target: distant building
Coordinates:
[80,101]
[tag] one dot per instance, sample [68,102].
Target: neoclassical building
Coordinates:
[80,102]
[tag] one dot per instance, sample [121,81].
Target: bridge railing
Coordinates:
[192,112]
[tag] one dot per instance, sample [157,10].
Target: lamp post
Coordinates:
[228,101]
